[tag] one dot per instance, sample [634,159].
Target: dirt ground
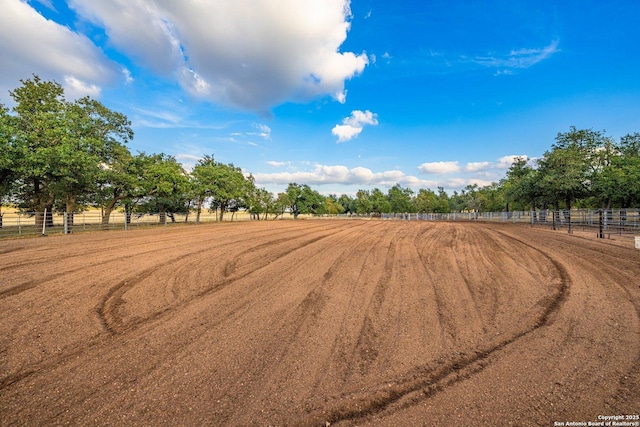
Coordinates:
[319,322]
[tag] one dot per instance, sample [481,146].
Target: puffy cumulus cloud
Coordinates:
[334,179]
[478,168]
[31,44]
[439,167]
[75,88]
[352,126]
[248,54]
[339,175]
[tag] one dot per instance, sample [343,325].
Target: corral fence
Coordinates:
[603,222]
[15,223]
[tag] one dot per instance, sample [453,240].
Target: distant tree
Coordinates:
[332,205]
[492,198]
[262,202]
[364,205]
[630,166]
[348,204]
[165,185]
[379,202]
[442,205]
[565,170]
[426,201]
[118,179]
[303,200]
[520,185]
[401,199]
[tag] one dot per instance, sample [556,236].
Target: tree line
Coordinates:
[65,156]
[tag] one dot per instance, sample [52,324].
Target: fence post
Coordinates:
[601,224]
[44,222]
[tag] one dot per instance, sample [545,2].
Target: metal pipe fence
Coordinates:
[28,223]
[612,221]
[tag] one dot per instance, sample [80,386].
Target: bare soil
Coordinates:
[319,323]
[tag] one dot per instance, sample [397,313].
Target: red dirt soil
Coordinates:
[319,323]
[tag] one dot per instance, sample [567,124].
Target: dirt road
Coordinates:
[313,322]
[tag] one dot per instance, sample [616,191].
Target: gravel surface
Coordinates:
[322,323]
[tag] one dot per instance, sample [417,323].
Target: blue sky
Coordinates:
[339,95]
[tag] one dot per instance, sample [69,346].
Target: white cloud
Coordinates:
[244,53]
[75,88]
[477,166]
[31,44]
[127,75]
[352,126]
[339,178]
[275,164]
[521,58]
[264,131]
[337,174]
[439,168]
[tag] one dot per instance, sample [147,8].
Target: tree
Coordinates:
[426,201]
[261,201]
[520,185]
[401,199]
[630,167]
[442,205]
[363,203]
[94,140]
[203,181]
[38,133]
[165,185]
[492,198]
[348,204]
[302,199]
[229,188]
[379,202]
[60,146]
[332,206]
[118,179]
[7,156]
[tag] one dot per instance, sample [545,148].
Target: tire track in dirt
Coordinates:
[425,380]
[232,271]
[280,341]
[107,310]
[81,255]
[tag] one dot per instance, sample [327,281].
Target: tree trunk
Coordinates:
[70,209]
[200,202]
[163,216]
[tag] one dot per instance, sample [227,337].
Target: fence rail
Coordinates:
[603,222]
[27,223]
[613,221]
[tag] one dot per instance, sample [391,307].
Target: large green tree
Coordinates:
[39,132]
[165,185]
[59,147]
[401,199]
[302,199]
